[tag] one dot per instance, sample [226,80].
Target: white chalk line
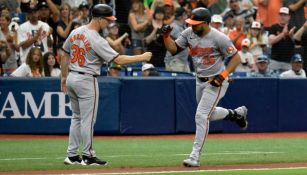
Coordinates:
[143,155]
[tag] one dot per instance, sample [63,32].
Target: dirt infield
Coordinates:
[179,168]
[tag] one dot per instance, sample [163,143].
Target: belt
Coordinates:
[83,73]
[203,79]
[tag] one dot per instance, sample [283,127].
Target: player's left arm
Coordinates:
[228,50]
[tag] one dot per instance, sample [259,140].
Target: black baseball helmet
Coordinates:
[103,10]
[199,15]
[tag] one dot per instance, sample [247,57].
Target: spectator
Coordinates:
[4,55]
[64,26]
[74,3]
[296,70]
[229,23]
[84,13]
[51,66]
[169,11]
[154,40]
[267,12]
[49,13]
[9,41]
[33,66]
[247,60]
[300,38]
[115,41]
[33,33]
[217,22]
[238,12]
[180,61]
[138,22]
[296,8]
[12,5]
[114,70]
[280,38]
[262,64]
[149,70]
[259,41]
[237,35]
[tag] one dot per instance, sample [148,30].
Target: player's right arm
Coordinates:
[168,41]
[64,70]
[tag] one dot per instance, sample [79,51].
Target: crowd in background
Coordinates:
[271,36]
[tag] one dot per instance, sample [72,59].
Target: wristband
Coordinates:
[225,73]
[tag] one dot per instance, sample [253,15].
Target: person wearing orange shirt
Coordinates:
[237,35]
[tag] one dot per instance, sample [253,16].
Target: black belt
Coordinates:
[83,73]
[203,79]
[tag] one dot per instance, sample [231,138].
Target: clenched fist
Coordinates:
[147,56]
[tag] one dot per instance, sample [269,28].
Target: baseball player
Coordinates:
[208,47]
[84,51]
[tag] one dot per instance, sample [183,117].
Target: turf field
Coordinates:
[25,155]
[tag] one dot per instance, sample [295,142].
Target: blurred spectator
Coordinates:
[74,3]
[263,68]
[84,12]
[247,60]
[33,33]
[267,12]
[169,11]
[51,66]
[296,8]
[280,38]
[217,22]
[154,40]
[9,41]
[296,70]
[12,5]
[218,6]
[179,62]
[114,70]
[33,66]
[64,26]
[259,41]
[229,23]
[115,41]
[237,35]
[149,70]
[138,22]
[300,38]
[4,55]
[49,13]
[238,12]
[156,4]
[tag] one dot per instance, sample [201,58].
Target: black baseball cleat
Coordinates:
[241,120]
[92,161]
[75,160]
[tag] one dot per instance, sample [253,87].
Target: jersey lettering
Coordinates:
[208,60]
[78,55]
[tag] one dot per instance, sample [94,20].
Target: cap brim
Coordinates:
[111,18]
[193,22]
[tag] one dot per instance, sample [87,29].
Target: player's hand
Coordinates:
[166,30]
[147,56]
[63,85]
[217,81]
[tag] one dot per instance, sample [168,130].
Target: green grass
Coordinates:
[240,172]
[49,154]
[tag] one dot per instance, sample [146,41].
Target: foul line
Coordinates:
[199,171]
[143,155]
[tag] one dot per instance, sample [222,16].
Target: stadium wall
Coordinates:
[158,105]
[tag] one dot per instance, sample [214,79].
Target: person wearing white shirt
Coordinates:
[297,70]
[33,33]
[247,59]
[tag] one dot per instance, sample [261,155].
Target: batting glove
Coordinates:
[217,81]
[166,30]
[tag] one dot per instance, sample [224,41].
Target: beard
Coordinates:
[198,32]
